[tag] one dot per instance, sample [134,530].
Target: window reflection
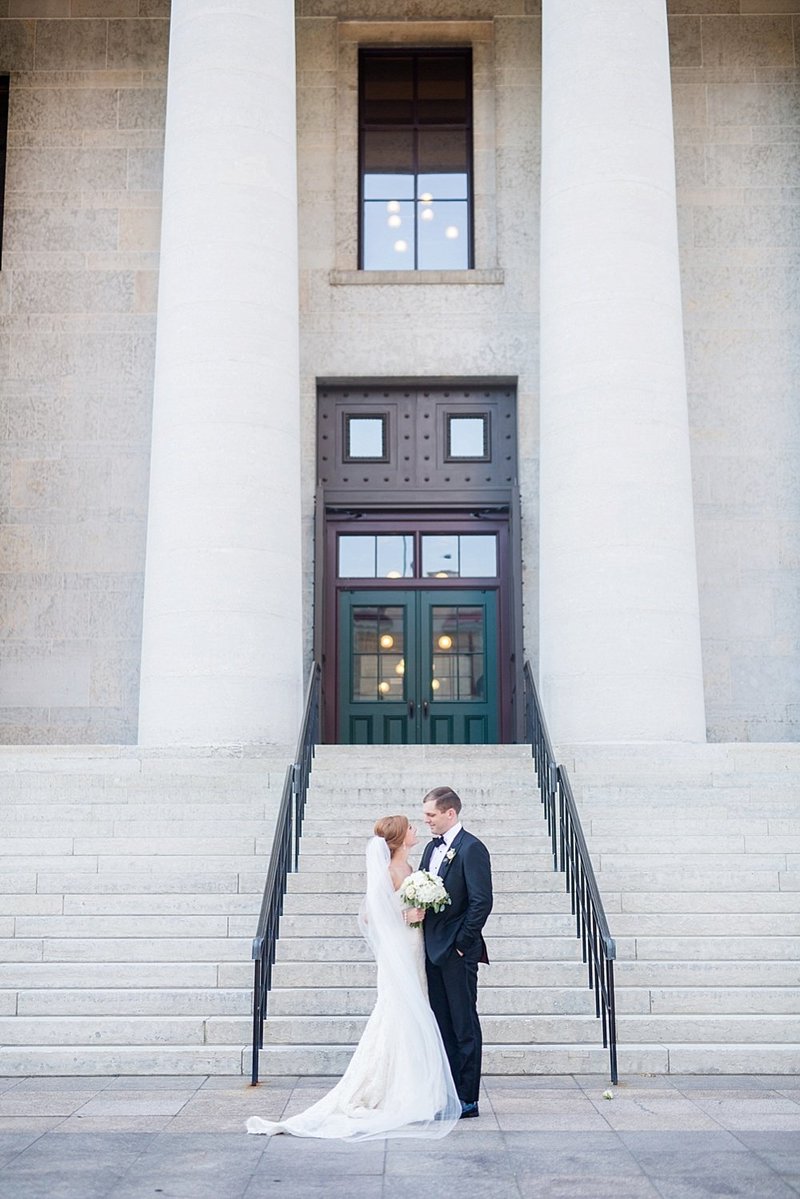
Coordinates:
[370,556]
[457,647]
[467,437]
[365,437]
[378,647]
[452,556]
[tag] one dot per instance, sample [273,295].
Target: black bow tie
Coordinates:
[438,841]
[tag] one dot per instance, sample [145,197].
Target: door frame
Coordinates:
[474,519]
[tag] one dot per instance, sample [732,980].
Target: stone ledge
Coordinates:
[491,277]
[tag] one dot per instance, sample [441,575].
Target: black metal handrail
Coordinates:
[571,855]
[283,859]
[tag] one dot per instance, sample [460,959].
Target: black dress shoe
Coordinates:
[469,1111]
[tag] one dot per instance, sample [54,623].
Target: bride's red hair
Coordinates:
[393,829]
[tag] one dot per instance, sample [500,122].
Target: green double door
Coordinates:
[418,667]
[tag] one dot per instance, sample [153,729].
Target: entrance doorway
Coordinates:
[417,647]
[418,667]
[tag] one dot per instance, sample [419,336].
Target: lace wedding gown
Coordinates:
[398,1082]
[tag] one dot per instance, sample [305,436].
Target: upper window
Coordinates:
[415,159]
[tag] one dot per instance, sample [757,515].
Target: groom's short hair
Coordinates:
[444,798]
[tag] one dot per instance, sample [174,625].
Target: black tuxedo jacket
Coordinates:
[467,875]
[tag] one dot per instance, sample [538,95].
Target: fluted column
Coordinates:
[221,654]
[620,636]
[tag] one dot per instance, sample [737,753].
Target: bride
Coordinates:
[398,1082]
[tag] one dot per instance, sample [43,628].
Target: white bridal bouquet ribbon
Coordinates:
[424,890]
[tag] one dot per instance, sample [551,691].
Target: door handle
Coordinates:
[425,708]
[411,709]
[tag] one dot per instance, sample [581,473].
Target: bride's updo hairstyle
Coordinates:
[393,829]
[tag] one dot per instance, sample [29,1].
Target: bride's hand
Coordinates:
[413,915]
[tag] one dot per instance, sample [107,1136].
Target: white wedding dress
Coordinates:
[398,1082]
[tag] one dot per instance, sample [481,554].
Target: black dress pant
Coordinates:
[453,994]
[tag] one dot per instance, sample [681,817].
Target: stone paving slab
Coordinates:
[670,1137]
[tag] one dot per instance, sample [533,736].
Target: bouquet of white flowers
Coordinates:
[424,890]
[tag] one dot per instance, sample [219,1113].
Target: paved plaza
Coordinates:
[183,1138]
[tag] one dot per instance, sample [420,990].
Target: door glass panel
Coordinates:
[378,641]
[367,556]
[457,653]
[466,437]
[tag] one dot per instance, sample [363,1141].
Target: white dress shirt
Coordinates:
[437,857]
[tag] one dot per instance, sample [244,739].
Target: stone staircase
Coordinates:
[130,884]
[536,1010]
[697,854]
[129,891]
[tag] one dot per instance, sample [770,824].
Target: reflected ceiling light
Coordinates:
[445,642]
[427,214]
[441,574]
[387,641]
[394,222]
[401,246]
[426,198]
[400,668]
[435,685]
[451,231]
[383,686]
[393,206]
[393,574]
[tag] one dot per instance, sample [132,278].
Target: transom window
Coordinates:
[393,556]
[415,159]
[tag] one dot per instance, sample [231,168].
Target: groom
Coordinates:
[454,942]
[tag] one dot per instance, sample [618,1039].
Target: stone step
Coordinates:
[124,864]
[351,882]
[359,1001]
[343,973]
[96,976]
[729,1000]
[754,949]
[346,1030]
[321,1060]
[703,973]
[695,902]
[498,846]
[170,905]
[125,949]
[153,882]
[344,903]
[188,927]
[139,1001]
[114,1030]
[354,949]
[715,924]
[510,925]
[17,1061]
[311,863]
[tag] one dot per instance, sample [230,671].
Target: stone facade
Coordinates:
[78,299]
[77,296]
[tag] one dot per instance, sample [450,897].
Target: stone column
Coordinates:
[221,653]
[620,635]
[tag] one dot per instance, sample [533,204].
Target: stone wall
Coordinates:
[737,106]
[77,324]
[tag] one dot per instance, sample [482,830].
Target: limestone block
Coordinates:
[67,170]
[22,549]
[16,45]
[758,165]
[142,108]
[154,8]
[71,45]
[50,109]
[748,103]
[105,8]
[759,41]
[60,229]
[38,8]
[138,43]
[145,169]
[685,43]
[99,545]
[62,291]
[35,677]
